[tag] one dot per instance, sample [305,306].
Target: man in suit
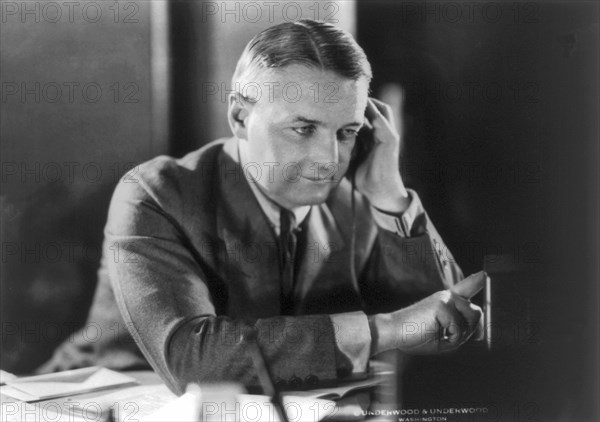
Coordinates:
[260,237]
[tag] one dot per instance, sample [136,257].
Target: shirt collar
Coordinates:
[269,207]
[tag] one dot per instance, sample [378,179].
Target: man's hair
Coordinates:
[307,42]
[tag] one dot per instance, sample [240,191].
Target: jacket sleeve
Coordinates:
[408,262]
[163,295]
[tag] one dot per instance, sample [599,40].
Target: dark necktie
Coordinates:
[288,245]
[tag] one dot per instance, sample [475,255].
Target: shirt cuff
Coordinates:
[353,339]
[400,223]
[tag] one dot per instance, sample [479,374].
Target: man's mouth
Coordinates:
[319,179]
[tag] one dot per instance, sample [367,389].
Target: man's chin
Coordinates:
[314,201]
[315,196]
[303,197]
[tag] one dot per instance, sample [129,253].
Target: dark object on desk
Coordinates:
[509,303]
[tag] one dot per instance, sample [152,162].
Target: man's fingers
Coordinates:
[371,112]
[451,324]
[479,333]
[380,111]
[382,107]
[470,286]
[472,314]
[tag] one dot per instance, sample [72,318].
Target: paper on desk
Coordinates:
[297,408]
[6,376]
[335,393]
[67,383]
[249,407]
[128,404]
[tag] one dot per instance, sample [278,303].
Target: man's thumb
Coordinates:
[470,286]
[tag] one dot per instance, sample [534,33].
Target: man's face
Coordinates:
[301,132]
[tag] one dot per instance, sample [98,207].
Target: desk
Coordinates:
[138,402]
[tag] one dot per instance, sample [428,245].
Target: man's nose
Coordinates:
[326,151]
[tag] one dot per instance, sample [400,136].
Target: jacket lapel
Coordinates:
[249,263]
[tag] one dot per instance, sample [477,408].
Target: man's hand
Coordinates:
[378,177]
[440,322]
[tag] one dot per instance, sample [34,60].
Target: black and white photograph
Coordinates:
[263,211]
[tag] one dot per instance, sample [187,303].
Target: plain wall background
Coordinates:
[76,114]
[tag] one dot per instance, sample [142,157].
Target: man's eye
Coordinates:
[347,134]
[305,130]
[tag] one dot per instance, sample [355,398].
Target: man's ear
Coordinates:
[237,115]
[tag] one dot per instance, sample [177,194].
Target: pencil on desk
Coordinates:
[266,379]
[109,416]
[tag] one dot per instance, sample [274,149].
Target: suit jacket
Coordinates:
[191,262]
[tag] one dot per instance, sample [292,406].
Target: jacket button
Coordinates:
[280,383]
[311,381]
[296,383]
